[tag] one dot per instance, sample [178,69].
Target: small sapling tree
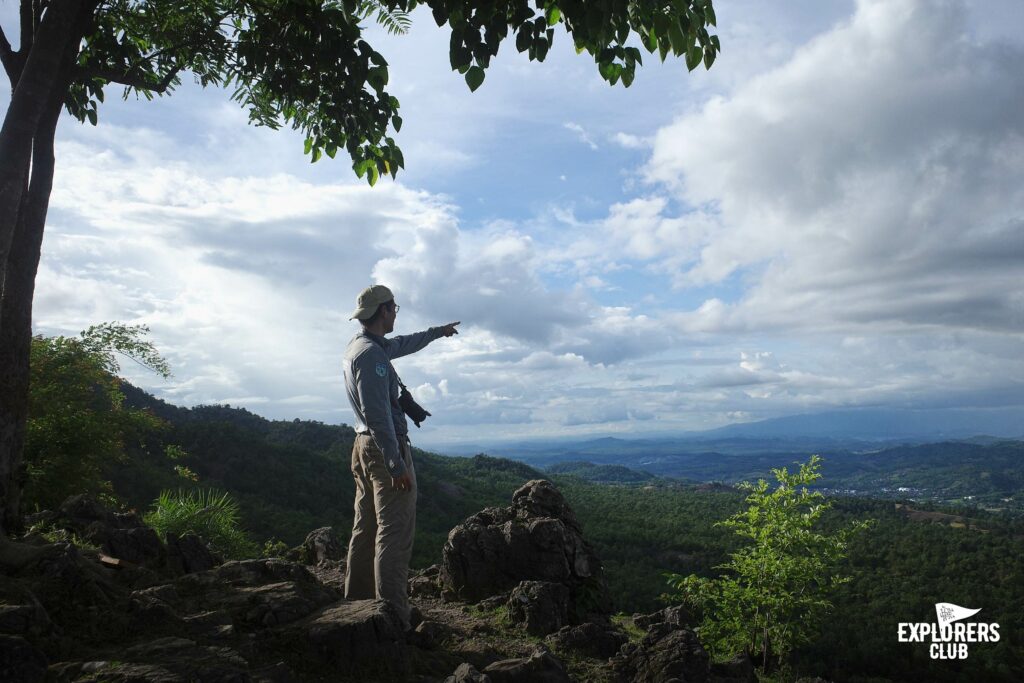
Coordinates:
[774,590]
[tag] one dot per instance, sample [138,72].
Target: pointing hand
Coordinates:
[449,329]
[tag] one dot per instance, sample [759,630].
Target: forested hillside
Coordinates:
[291,477]
[982,472]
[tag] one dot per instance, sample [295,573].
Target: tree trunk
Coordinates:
[16,310]
[28,102]
[24,245]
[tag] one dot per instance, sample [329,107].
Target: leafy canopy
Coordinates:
[307,63]
[773,594]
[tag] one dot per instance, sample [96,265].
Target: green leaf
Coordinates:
[677,39]
[542,49]
[709,15]
[474,77]
[709,57]
[396,121]
[307,146]
[316,155]
[377,77]
[91,113]
[554,14]
[693,57]
[523,40]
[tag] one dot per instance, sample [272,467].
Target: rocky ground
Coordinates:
[519,597]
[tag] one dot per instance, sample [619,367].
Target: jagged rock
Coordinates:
[428,635]
[363,636]
[539,667]
[536,539]
[541,607]
[426,583]
[665,654]
[164,660]
[495,601]
[123,536]
[540,498]
[675,615]
[467,673]
[739,669]
[589,639]
[255,593]
[20,660]
[188,554]
[320,545]
[153,616]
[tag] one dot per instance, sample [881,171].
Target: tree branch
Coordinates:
[28,27]
[135,80]
[9,59]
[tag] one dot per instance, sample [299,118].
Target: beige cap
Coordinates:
[369,299]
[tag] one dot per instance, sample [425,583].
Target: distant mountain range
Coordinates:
[853,430]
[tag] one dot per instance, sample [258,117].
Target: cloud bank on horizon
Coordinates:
[832,217]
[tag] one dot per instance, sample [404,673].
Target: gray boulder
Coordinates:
[664,655]
[164,660]
[676,615]
[537,538]
[539,667]
[362,637]
[590,639]
[188,554]
[467,673]
[541,607]
[120,535]
[256,594]
[321,545]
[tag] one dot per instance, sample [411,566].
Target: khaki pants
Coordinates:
[383,525]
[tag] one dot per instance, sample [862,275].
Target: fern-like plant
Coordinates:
[209,514]
[395,21]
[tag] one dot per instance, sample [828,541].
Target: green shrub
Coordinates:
[209,514]
[775,590]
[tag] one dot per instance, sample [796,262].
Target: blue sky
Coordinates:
[832,217]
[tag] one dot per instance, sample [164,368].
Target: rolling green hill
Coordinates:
[291,477]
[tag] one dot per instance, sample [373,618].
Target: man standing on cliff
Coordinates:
[384,518]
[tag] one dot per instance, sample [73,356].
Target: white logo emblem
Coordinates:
[950,636]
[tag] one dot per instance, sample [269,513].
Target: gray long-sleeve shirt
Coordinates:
[372,386]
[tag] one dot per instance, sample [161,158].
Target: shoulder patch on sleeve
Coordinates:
[382,369]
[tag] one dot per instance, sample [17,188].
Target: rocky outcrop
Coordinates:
[664,655]
[120,535]
[537,538]
[178,614]
[674,615]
